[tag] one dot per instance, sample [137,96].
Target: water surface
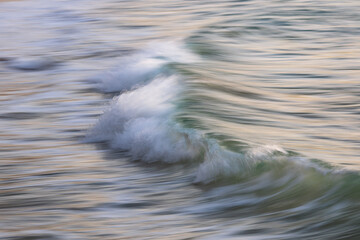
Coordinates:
[179,120]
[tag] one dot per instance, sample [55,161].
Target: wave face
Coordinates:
[142,119]
[146,120]
[153,120]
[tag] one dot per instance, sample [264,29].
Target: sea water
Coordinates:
[179,119]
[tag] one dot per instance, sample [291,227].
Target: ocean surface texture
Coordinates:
[179,119]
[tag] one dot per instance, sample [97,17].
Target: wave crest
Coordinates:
[142,122]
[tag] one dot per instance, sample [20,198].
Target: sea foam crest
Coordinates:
[140,121]
[151,100]
[155,139]
[220,162]
[137,69]
[134,70]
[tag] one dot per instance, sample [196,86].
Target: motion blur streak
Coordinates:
[179,119]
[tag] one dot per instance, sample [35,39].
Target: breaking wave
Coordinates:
[142,121]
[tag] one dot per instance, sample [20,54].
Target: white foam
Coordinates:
[140,121]
[155,139]
[152,100]
[137,69]
[134,70]
[219,162]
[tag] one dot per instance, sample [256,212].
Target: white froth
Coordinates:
[140,121]
[133,71]
[152,100]
[219,162]
[137,69]
[155,139]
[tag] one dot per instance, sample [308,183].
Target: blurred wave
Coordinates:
[185,119]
